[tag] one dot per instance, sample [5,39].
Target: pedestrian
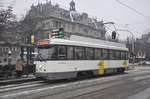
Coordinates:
[19,67]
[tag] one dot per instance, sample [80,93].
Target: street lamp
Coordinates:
[9,57]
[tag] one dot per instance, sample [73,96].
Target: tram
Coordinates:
[64,59]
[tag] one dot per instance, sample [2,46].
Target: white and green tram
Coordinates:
[65,59]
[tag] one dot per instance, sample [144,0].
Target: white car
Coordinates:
[147,62]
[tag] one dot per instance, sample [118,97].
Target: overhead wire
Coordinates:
[133,9]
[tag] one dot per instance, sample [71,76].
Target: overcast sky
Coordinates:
[108,10]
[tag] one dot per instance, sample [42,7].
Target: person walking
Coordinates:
[19,67]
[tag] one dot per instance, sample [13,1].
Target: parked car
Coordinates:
[147,62]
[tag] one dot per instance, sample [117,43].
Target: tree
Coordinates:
[9,27]
[32,26]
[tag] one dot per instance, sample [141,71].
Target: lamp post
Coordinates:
[9,62]
[9,57]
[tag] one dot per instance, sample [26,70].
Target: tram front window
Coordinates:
[46,53]
[51,53]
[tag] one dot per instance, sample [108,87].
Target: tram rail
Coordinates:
[41,89]
[16,81]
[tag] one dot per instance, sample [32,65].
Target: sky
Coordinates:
[107,10]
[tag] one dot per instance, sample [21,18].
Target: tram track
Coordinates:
[22,84]
[125,87]
[25,80]
[84,91]
[17,88]
[37,87]
[16,81]
[28,86]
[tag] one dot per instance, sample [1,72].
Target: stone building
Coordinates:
[5,48]
[50,17]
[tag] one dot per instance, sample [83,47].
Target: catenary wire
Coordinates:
[133,9]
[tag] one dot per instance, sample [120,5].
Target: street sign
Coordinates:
[58,33]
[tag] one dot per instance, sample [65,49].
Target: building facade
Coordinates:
[52,17]
[5,50]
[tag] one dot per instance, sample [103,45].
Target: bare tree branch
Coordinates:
[9,27]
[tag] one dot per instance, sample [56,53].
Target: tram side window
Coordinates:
[62,52]
[118,55]
[123,55]
[55,53]
[112,54]
[70,52]
[105,53]
[127,55]
[98,54]
[79,53]
[89,53]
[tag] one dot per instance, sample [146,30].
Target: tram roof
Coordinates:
[101,44]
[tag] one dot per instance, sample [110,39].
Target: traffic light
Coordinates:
[132,54]
[61,33]
[113,35]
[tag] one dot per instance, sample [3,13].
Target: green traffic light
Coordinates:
[61,33]
[113,35]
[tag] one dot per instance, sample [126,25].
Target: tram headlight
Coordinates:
[40,67]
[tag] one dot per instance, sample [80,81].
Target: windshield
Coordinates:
[45,53]
[51,53]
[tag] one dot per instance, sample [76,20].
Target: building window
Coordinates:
[56,24]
